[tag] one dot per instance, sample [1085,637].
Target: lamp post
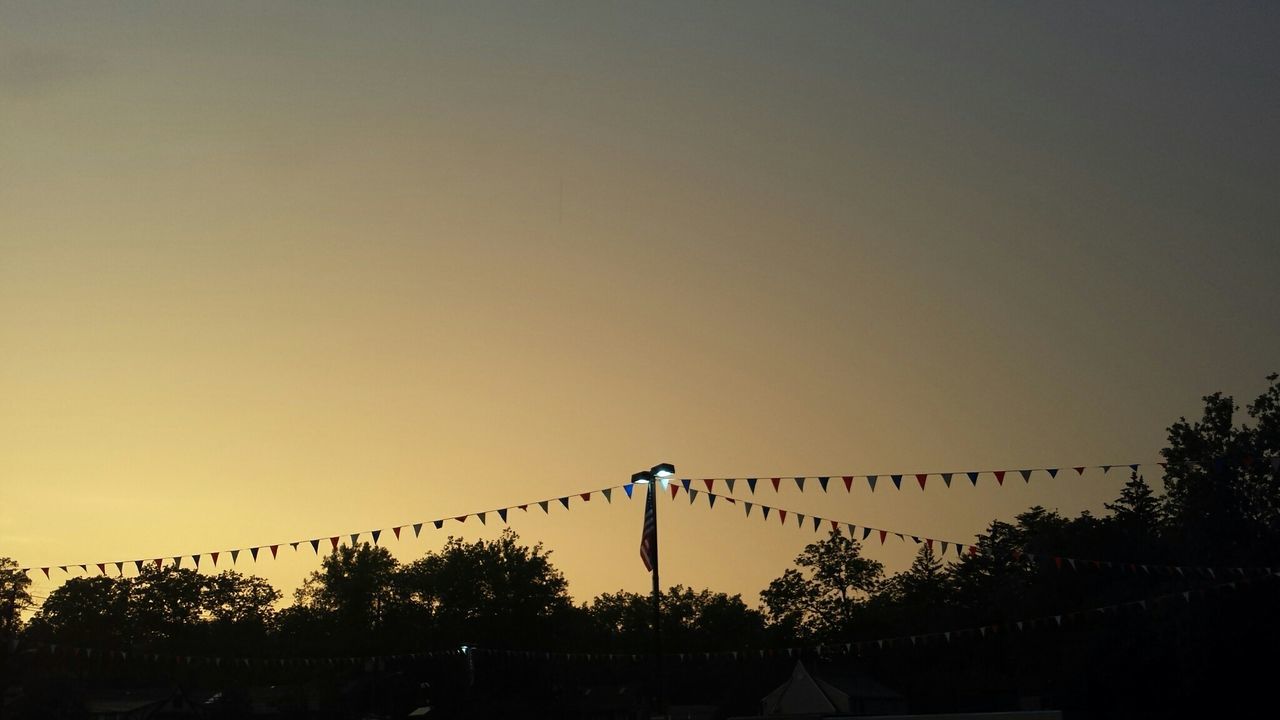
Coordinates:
[649,542]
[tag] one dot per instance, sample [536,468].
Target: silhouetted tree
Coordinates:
[14,596]
[823,601]
[497,592]
[691,621]
[1222,494]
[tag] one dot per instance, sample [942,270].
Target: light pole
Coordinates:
[649,553]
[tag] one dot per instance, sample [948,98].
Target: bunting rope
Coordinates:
[799,480]
[866,530]
[972,475]
[851,647]
[334,540]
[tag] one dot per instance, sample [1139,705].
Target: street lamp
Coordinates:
[649,551]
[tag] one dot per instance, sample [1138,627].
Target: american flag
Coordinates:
[649,536]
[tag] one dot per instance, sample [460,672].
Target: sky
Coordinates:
[278,271]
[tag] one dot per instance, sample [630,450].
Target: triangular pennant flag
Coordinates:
[748,506]
[253,552]
[1053,472]
[776,482]
[417,529]
[586,496]
[136,564]
[480,517]
[921,478]
[674,489]
[120,568]
[800,484]
[1106,469]
[782,517]
[45,570]
[928,542]
[627,489]
[177,561]
[214,556]
[729,483]
[355,537]
[684,483]
[751,485]
[799,519]
[396,530]
[315,545]
[999,476]
[848,483]
[710,483]
[866,532]
[944,548]
[607,493]
[235,554]
[1026,475]
[693,495]
[440,523]
[835,527]
[544,504]
[883,534]
[822,481]
[334,542]
[817,521]
[946,479]
[871,482]
[1079,469]
[973,478]
[1134,467]
[294,545]
[502,513]
[195,559]
[711,500]
[375,534]
[897,481]
[765,509]
[565,502]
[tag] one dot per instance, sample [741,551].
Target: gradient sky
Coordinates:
[270,271]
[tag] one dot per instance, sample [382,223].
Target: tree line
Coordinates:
[1219,506]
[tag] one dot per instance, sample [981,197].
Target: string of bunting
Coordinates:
[866,531]
[852,647]
[799,481]
[922,479]
[374,535]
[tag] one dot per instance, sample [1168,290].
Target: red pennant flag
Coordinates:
[586,496]
[999,476]
[215,558]
[711,482]
[883,534]
[334,542]
[1079,470]
[920,478]
[461,518]
[782,516]
[848,483]
[46,573]
[273,551]
[396,530]
[524,507]
[776,482]
[835,525]
[159,563]
[102,568]
[674,489]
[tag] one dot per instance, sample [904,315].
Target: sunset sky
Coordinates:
[273,271]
